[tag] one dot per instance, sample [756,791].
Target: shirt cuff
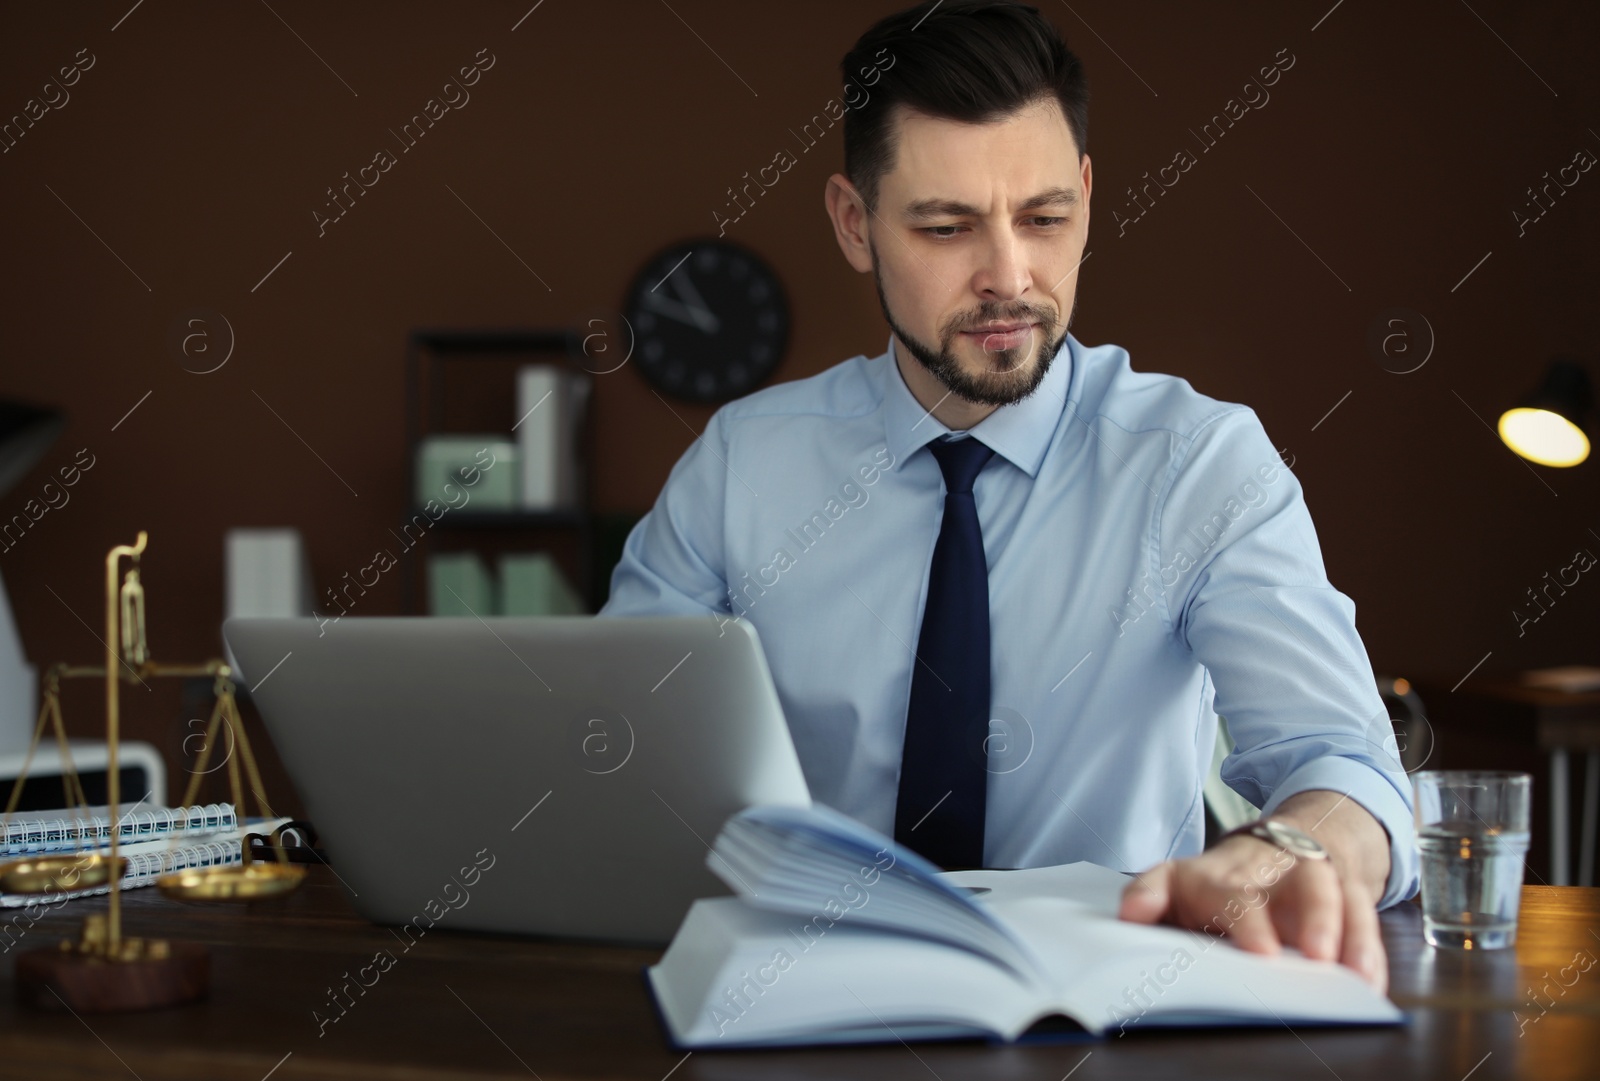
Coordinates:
[1374,791]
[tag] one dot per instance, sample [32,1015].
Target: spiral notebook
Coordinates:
[29,833]
[155,856]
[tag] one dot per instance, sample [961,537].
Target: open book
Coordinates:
[839,935]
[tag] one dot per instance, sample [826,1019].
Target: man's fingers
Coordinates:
[1253,931]
[1363,942]
[1147,898]
[1314,920]
[1311,907]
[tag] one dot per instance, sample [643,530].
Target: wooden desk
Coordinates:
[462,1005]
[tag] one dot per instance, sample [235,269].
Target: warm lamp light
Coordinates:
[1544,437]
[1550,426]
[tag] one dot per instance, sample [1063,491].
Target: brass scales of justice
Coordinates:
[104,969]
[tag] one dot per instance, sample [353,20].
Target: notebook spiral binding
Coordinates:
[25,835]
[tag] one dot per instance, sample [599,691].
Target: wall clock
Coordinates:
[710,320]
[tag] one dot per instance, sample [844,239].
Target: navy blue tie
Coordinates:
[943,769]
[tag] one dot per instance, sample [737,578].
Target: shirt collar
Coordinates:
[1019,432]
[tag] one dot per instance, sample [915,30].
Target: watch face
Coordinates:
[710,319]
[1301,844]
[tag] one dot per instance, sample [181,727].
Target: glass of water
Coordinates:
[1472,833]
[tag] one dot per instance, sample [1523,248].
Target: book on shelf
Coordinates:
[532,584]
[471,473]
[551,402]
[519,584]
[836,934]
[460,584]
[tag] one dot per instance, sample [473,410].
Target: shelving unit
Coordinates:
[429,353]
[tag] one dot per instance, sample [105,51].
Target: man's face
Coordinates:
[979,230]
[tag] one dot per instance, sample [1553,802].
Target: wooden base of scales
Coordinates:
[147,974]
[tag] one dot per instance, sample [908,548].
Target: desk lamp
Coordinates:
[1551,425]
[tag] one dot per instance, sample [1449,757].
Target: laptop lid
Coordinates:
[559,775]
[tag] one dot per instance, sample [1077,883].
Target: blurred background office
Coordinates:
[282,272]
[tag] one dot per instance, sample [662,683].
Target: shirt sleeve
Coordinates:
[1249,596]
[672,562]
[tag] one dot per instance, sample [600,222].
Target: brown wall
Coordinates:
[201,141]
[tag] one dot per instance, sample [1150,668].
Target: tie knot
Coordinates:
[961,460]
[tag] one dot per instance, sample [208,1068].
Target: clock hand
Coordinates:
[674,309]
[685,287]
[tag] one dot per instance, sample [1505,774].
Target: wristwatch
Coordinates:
[1296,842]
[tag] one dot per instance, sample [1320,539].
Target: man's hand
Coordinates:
[1264,897]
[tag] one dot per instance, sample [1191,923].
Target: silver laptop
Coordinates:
[558,775]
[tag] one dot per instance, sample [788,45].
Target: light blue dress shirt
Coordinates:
[1152,564]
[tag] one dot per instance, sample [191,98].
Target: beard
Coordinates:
[1006,376]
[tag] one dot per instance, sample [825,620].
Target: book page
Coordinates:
[819,864]
[1110,974]
[1098,887]
[737,975]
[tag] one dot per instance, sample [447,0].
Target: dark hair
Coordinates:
[974,61]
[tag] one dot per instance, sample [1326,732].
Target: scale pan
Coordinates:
[59,873]
[245,882]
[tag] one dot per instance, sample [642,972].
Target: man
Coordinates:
[1005,583]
